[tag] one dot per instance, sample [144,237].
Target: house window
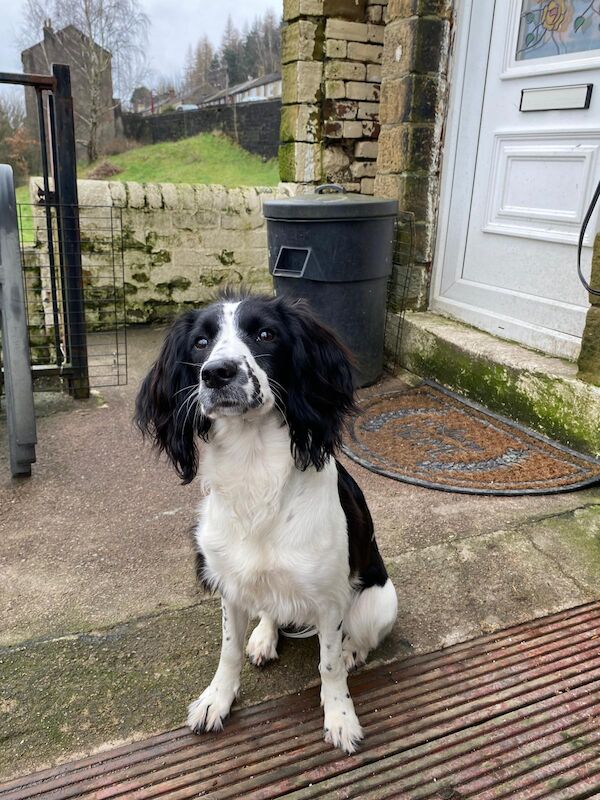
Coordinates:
[556,27]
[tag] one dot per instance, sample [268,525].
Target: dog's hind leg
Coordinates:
[210,709]
[262,645]
[369,620]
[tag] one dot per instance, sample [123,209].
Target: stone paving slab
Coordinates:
[105,636]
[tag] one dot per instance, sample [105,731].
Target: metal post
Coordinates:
[65,187]
[15,341]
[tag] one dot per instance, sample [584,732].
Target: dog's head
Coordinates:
[247,356]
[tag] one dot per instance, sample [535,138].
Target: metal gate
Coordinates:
[61,267]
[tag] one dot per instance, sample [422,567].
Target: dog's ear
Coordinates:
[166,407]
[320,389]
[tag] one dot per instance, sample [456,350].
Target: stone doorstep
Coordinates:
[537,390]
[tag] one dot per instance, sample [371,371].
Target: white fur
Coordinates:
[275,544]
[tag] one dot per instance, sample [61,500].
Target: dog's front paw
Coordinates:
[210,709]
[262,645]
[342,729]
[354,657]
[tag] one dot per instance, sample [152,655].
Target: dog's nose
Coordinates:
[219,373]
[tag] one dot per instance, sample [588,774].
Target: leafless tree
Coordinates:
[118,27]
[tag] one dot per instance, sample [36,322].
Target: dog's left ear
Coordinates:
[165,409]
[320,389]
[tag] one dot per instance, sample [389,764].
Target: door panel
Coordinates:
[532,179]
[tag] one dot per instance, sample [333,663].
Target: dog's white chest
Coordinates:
[274,538]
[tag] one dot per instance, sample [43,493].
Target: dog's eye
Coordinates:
[201,343]
[265,335]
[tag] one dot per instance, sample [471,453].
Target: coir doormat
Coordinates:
[431,437]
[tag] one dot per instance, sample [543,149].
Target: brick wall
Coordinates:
[255,126]
[412,111]
[331,54]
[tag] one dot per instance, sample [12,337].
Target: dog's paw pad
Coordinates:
[342,729]
[208,712]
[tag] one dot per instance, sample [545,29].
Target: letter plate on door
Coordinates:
[556,98]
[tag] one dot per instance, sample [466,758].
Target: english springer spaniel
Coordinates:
[284,532]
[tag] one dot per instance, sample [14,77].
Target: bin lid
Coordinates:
[335,204]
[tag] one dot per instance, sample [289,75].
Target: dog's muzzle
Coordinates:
[228,387]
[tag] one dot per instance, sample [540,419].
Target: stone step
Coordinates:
[537,390]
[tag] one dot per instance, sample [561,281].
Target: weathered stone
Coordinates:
[300,162]
[406,148]
[335,48]
[374,73]
[375,13]
[345,9]
[118,193]
[365,52]
[366,149]
[367,186]
[345,70]
[356,90]
[292,9]
[335,161]
[340,109]
[350,31]
[375,33]
[351,186]
[300,123]
[333,130]
[412,45]
[409,99]
[363,169]
[401,9]
[589,357]
[135,195]
[368,111]
[371,129]
[335,90]
[352,130]
[298,41]
[302,82]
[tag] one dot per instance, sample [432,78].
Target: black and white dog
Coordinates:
[284,533]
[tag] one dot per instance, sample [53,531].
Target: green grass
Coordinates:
[25,215]
[200,159]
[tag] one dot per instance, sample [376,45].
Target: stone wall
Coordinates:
[331,54]
[179,244]
[589,357]
[412,111]
[254,125]
[364,94]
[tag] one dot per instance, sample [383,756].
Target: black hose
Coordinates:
[586,219]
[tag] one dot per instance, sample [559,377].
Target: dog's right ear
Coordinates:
[166,407]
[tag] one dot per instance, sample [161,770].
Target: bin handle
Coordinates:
[333,187]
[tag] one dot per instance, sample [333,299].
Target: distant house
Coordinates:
[70,46]
[266,88]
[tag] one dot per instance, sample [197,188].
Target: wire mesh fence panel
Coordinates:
[51,317]
[399,285]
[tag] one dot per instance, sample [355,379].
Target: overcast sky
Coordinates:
[174,24]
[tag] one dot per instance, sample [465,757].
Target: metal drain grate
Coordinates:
[515,714]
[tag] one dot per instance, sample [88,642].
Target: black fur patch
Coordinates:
[365,560]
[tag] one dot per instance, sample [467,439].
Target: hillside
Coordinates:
[205,158]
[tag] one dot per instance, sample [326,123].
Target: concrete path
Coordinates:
[104,636]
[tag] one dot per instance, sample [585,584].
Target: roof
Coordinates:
[242,87]
[65,32]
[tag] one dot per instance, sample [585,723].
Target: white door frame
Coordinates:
[473,33]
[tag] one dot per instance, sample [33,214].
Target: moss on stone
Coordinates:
[536,400]
[140,277]
[226,257]
[287,162]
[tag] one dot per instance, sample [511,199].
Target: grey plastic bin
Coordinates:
[335,250]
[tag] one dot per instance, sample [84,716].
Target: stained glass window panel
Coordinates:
[555,27]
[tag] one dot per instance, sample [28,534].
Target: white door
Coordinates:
[522,161]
